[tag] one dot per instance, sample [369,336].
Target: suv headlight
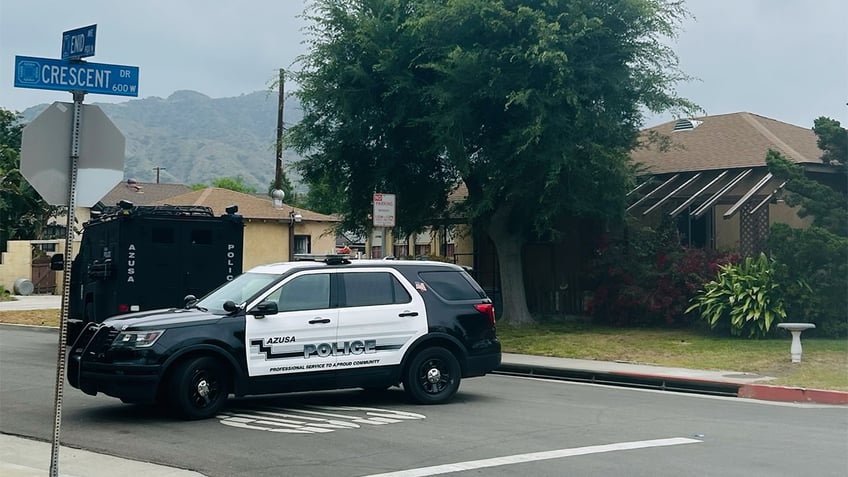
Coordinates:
[137,339]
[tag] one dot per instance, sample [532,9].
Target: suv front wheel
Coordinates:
[433,376]
[199,387]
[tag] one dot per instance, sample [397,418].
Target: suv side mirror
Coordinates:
[57,262]
[264,308]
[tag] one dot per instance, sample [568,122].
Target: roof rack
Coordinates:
[328,258]
[113,212]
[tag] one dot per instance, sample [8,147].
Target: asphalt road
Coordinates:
[496,426]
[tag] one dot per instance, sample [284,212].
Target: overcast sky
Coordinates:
[783,59]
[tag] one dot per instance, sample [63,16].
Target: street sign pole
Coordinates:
[38,158]
[61,356]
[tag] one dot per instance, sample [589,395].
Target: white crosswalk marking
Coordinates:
[312,419]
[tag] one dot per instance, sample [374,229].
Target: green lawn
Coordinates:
[824,364]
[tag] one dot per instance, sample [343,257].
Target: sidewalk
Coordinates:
[21,457]
[32,302]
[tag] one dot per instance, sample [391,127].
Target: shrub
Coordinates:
[648,279]
[745,298]
[813,272]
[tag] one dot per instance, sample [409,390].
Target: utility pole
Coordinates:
[157,169]
[277,194]
[278,180]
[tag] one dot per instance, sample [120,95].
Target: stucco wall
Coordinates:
[17,262]
[727,231]
[268,241]
[782,213]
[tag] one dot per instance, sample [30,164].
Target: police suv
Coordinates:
[321,323]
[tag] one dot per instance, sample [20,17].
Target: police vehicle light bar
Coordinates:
[328,258]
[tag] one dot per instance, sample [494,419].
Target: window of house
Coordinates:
[302,244]
[401,250]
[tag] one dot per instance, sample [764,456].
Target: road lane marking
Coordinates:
[534,456]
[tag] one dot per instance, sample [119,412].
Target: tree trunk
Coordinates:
[508,244]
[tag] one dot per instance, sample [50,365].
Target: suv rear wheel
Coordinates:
[199,387]
[433,376]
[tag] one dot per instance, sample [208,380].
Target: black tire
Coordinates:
[198,387]
[432,377]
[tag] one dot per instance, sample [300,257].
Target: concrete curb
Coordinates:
[668,379]
[792,394]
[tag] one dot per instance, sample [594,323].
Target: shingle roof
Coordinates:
[142,193]
[727,141]
[250,206]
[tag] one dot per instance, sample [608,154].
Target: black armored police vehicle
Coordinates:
[137,258]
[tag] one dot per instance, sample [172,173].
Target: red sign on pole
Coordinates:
[384,210]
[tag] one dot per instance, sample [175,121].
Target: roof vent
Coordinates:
[686,124]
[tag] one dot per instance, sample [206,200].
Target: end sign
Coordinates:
[79,43]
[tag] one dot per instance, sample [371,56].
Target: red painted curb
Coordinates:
[787,394]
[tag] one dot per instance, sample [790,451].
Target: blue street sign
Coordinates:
[78,43]
[96,78]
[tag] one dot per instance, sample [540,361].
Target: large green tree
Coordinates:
[827,206]
[814,260]
[532,105]
[231,183]
[23,213]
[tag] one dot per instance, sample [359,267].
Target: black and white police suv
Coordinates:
[325,323]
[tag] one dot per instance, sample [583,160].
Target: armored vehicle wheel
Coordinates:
[199,387]
[432,377]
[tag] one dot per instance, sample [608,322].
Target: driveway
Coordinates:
[32,302]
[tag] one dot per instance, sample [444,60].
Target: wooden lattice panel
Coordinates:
[753,229]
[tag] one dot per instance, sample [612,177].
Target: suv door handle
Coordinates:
[319,320]
[408,313]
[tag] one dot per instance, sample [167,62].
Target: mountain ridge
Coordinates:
[193,138]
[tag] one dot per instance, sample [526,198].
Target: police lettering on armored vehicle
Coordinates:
[324,323]
[137,258]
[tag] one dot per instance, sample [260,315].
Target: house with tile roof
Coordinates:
[17,262]
[709,175]
[271,234]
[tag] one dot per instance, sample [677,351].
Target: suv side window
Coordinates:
[372,288]
[306,292]
[450,285]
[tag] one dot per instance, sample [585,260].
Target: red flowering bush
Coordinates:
[647,279]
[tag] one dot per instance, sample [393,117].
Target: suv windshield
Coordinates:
[239,290]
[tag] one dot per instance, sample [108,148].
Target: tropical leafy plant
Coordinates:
[744,299]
